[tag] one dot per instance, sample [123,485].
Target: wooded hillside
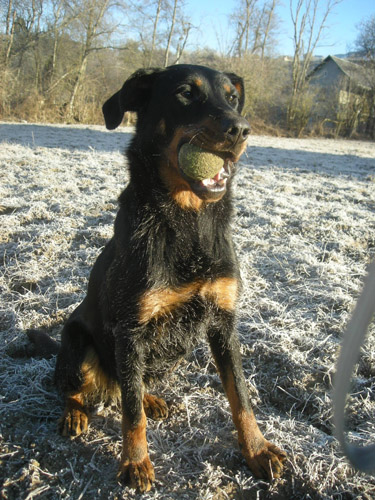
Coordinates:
[60,60]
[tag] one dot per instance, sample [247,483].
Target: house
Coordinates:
[334,72]
[341,89]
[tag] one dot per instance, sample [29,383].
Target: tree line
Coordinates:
[60,59]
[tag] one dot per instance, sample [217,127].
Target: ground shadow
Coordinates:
[73,137]
[305,161]
[65,137]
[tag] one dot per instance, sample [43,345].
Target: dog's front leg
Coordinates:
[136,469]
[263,458]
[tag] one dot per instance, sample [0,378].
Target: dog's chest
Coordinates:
[165,301]
[188,271]
[174,320]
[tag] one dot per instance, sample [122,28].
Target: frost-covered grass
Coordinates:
[305,233]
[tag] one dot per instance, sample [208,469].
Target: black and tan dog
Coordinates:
[169,275]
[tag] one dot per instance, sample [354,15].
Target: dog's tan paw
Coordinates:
[73,422]
[266,462]
[137,475]
[155,408]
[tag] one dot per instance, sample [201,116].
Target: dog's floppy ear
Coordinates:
[238,83]
[132,97]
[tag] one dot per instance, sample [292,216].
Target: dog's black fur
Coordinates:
[169,275]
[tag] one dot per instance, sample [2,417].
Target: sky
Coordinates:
[211,16]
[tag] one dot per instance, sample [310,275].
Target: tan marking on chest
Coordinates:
[163,301]
[223,292]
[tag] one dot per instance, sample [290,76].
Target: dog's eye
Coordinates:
[232,99]
[186,94]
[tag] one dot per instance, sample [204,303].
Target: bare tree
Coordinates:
[253,21]
[268,15]
[365,42]
[161,29]
[170,33]
[25,27]
[154,31]
[309,18]
[8,7]
[365,45]
[242,19]
[58,22]
[186,27]
[9,32]
[90,17]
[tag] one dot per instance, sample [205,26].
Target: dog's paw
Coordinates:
[137,475]
[155,408]
[73,422]
[266,462]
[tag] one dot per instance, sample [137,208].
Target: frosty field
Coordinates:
[304,229]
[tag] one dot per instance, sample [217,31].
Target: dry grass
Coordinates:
[305,233]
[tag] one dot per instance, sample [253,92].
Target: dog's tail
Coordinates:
[41,344]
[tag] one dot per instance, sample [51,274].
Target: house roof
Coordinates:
[355,72]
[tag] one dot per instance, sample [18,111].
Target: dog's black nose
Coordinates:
[237,130]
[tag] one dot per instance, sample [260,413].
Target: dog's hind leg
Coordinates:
[77,376]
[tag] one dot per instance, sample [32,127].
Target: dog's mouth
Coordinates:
[213,187]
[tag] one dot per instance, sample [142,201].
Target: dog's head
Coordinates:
[185,104]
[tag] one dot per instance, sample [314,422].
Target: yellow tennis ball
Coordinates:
[197,163]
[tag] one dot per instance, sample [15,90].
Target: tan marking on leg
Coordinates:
[263,458]
[134,439]
[136,468]
[246,425]
[96,383]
